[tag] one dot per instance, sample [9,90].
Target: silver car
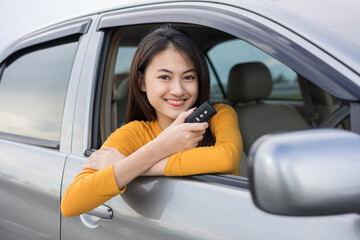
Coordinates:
[294,85]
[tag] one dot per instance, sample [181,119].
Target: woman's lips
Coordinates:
[175,103]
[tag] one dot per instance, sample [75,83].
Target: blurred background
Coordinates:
[19,17]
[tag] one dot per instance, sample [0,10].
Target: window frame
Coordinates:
[258,31]
[2,67]
[99,84]
[78,27]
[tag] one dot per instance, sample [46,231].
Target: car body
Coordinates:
[63,91]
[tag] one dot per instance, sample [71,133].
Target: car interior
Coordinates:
[265,103]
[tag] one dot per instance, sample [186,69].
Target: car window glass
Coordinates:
[121,80]
[227,54]
[32,92]
[123,59]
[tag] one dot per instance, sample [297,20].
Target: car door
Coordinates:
[198,207]
[35,128]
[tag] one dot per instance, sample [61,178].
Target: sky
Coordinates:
[19,17]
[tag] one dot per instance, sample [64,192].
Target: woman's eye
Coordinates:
[189,78]
[164,77]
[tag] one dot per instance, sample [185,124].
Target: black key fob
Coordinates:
[202,113]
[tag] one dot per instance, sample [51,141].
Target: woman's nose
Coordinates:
[177,88]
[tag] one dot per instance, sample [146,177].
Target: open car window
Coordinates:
[282,108]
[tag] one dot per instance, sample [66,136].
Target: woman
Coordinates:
[168,78]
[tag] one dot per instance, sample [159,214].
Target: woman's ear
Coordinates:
[141,82]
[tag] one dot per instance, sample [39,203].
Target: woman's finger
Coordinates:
[195,127]
[198,139]
[182,116]
[88,165]
[95,166]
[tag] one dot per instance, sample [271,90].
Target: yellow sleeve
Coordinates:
[223,157]
[89,190]
[127,139]
[92,188]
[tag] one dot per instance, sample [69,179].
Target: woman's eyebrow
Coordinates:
[190,70]
[164,70]
[168,71]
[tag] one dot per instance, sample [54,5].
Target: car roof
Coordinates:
[292,15]
[280,12]
[285,11]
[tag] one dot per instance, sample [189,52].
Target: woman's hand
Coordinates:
[181,136]
[101,159]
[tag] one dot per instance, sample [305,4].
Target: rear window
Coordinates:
[33,87]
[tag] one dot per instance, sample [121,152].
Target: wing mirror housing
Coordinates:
[306,173]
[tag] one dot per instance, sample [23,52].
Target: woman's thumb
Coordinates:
[181,118]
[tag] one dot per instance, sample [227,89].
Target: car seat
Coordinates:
[249,84]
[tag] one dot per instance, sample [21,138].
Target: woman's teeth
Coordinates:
[175,101]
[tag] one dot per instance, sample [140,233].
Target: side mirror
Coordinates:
[306,173]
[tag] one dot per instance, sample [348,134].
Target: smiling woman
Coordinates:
[171,85]
[168,78]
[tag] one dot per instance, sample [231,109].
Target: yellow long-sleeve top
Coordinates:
[92,188]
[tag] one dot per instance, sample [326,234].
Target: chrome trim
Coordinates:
[30,140]
[102,211]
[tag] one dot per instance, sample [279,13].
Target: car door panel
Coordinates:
[30,179]
[185,208]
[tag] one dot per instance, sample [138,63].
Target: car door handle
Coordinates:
[102,211]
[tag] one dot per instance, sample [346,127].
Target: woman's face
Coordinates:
[171,85]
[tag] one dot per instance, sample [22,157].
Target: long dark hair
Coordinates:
[153,43]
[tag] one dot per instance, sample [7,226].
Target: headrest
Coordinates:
[249,82]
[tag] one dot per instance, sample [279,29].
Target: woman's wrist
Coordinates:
[157,169]
[138,163]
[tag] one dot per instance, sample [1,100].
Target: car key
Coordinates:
[202,113]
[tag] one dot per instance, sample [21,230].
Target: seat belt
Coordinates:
[311,114]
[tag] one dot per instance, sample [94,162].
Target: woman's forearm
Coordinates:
[139,163]
[157,169]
